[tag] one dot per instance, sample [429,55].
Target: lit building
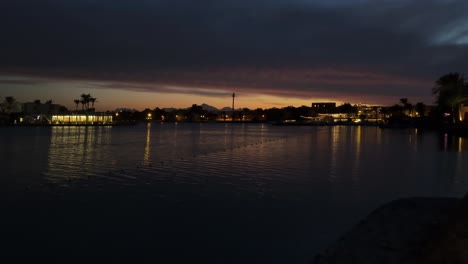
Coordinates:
[81,119]
[370,113]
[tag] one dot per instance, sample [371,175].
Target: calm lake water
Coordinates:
[217,193]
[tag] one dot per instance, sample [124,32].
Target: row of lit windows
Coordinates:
[81,119]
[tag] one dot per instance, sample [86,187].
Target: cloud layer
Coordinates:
[295,47]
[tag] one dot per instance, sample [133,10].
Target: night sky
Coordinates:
[272,53]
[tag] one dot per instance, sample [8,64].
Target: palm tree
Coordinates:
[407,107]
[451,91]
[86,99]
[83,103]
[421,109]
[92,100]
[77,102]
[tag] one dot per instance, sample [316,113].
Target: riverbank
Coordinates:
[414,230]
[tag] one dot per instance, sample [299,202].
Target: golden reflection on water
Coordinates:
[345,143]
[146,156]
[453,143]
[72,151]
[335,138]
[357,155]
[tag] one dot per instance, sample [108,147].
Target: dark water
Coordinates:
[208,193]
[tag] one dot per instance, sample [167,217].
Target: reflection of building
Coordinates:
[79,151]
[82,119]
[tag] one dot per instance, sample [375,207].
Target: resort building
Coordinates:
[82,119]
[370,113]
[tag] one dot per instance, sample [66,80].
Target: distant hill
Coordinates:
[126,110]
[209,108]
[229,109]
[226,109]
[169,110]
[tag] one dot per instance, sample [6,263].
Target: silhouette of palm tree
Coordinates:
[77,102]
[83,103]
[92,100]
[86,99]
[451,90]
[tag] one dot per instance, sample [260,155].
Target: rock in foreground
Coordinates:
[399,232]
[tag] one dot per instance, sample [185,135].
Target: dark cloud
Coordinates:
[234,44]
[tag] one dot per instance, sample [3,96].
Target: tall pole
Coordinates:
[233,96]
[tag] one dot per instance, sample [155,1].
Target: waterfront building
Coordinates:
[81,119]
[370,113]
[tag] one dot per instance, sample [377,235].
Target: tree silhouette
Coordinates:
[92,100]
[77,102]
[421,109]
[86,99]
[9,100]
[407,107]
[83,103]
[450,90]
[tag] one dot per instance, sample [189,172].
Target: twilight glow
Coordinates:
[145,54]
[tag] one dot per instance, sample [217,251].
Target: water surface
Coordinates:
[219,193]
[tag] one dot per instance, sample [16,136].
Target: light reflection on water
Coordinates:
[258,159]
[313,182]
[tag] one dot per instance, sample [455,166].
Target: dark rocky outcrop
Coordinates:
[413,230]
